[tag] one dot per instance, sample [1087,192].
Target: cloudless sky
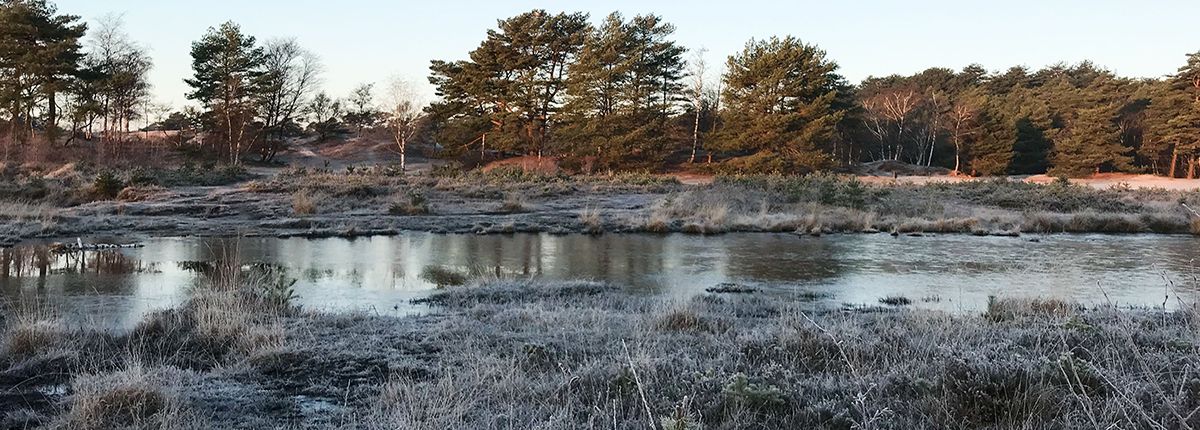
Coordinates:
[372,40]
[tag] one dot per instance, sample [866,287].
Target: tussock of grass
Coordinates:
[26,338]
[710,219]
[515,203]
[134,397]
[303,203]
[592,221]
[657,222]
[139,193]
[681,318]
[413,204]
[245,324]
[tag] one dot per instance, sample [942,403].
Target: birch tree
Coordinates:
[697,93]
[404,110]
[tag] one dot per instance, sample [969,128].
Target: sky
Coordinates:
[375,40]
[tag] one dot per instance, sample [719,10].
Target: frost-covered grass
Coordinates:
[580,355]
[528,354]
[832,204]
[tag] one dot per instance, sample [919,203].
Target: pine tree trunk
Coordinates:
[51,113]
[1174,162]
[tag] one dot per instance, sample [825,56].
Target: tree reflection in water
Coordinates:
[381,274]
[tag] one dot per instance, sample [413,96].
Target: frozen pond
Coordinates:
[382,274]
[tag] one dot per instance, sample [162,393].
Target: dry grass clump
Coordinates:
[444,403]
[657,222]
[134,397]
[681,319]
[233,313]
[937,225]
[26,211]
[139,193]
[303,203]
[25,337]
[246,324]
[1095,222]
[1042,222]
[515,203]
[592,221]
[709,219]
[412,204]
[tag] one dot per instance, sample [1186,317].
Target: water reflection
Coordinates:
[381,274]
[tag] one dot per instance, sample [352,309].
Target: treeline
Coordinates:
[47,80]
[1068,120]
[61,81]
[624,95]
[620,94]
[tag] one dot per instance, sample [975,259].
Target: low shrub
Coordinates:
[106,185]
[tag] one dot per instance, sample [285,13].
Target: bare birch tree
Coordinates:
[119,70]
[963,116]
[291,75]
[887,112]
[697,93]
[404,110]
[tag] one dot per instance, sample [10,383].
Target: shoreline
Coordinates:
[134,239]
[306,204]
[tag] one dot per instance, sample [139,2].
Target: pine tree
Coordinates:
[39,55]
[993,152]
[228,75]
[1091,142]
[622,90]
[780,97]
[510,91]
[1031,148]
[1184,128]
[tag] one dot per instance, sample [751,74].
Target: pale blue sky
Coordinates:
[370,40]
